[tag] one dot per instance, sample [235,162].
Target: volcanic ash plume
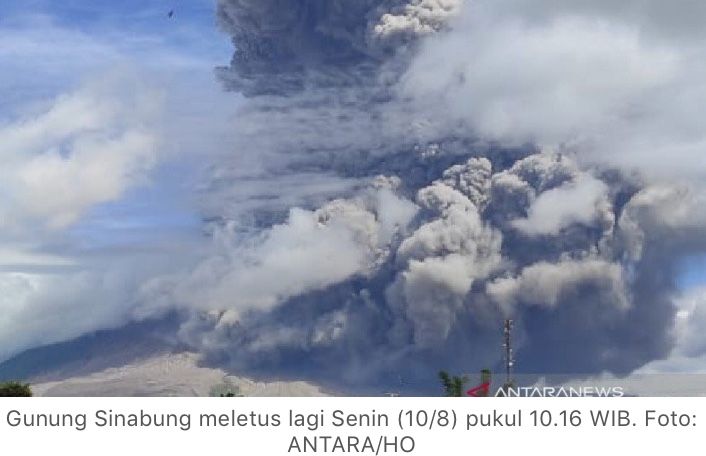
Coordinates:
[286,45]
[384,242]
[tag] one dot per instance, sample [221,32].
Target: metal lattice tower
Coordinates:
[509,359]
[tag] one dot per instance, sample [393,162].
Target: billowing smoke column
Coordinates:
[286,45]
[427,240]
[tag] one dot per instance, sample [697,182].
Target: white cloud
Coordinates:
[87,121]
[620,82]
[417,18]
[690,329]
[60,160]
[583,201]
[86,149]
[303,254]
[40,309]
[681,372]
[309,251]
[46,300]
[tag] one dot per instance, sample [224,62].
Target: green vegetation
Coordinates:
[15,389]
[485,376]
[226,389]
[453,386]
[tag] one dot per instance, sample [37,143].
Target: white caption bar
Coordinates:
[282,426]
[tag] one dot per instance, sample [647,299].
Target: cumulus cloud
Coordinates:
[61,160]
[41,308]
[88,148]
[327,43]
[416,19]
[92,203]
[310,251]
[87,212]
[620,84]
[690,324]
[584,201]
[244,282]
[576,76]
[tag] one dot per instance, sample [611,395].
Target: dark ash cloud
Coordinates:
[405,174]
[441,227]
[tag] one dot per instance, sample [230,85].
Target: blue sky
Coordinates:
[54,47]
[693,272]
[139,17]
[67,39]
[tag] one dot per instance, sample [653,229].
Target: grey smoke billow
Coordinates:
[284,45]
[385,241]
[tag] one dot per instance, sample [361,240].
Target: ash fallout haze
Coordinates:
[353,193]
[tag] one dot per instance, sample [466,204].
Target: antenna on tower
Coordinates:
[509,357]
